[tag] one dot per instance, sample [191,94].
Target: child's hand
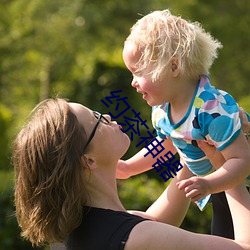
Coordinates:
[194,187]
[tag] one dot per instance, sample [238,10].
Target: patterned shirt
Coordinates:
[213,115]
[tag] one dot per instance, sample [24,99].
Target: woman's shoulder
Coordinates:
[102,227]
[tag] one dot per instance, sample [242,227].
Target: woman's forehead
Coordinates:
[84,115]
[78,108]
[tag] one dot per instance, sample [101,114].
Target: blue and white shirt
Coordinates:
[213,115]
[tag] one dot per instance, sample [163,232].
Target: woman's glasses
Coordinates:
[100,118]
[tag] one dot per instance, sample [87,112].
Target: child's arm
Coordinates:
[233,172]
[139,164]
[214,156]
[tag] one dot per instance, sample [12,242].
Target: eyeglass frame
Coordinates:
[100,118]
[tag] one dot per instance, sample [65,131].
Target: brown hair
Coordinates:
[49,181]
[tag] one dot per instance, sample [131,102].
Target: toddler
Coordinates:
[170,59]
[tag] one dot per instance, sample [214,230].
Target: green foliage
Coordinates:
[228,22]
[139,192]
[5,124]
[73,48]
[197,221]
[245,103]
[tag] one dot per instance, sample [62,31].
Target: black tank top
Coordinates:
[102,229]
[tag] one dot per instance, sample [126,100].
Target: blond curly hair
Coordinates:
[160,36]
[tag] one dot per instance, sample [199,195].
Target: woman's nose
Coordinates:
[108,117]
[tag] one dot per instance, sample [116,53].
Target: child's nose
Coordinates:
[134,83]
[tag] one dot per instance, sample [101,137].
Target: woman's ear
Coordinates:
[175,66]
[90,161]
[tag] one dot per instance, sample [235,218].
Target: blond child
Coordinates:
[170,59]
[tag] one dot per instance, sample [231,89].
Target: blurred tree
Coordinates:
[50,47]
[228,22]
[244,102]
[72,48]
[5,123]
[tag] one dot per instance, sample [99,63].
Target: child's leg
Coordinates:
[222,224]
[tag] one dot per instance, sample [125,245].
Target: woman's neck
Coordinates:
[102,189]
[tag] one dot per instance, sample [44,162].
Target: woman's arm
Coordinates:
[233,172]
[236,167]
[171,207]
[159,236]
[214,156]
[239,203]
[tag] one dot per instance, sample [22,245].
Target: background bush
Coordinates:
[73,48]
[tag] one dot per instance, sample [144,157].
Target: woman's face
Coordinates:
[108,139]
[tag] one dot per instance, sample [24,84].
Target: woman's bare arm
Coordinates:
[160,236]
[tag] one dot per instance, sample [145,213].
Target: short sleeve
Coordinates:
[162,136]
[159,121]
[218,118]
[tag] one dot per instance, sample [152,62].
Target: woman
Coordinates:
[65,189]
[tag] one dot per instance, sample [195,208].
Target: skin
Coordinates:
[245,122]
[102,157]
[102,160]
[168,89]
[211,151]
[178,91]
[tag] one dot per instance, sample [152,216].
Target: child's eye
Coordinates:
[137,74]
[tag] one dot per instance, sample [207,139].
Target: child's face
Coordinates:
[154,93]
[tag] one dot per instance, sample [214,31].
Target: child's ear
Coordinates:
[175,66]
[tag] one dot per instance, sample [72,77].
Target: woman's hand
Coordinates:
[198,187]
[215,157]
[245,124]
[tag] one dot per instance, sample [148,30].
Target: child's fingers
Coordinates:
[184,183]
[193,195]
